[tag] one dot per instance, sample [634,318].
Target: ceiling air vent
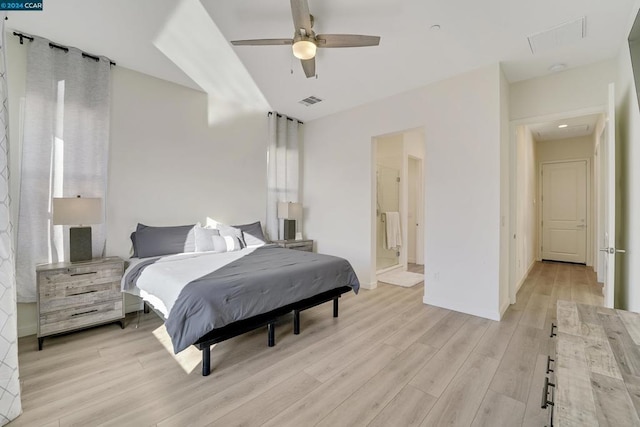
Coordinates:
[562,35]
[307,102]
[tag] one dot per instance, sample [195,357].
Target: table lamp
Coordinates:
[290,212]
[78,212]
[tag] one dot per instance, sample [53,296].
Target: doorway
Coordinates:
[551,157]
[398,189]
[563,201]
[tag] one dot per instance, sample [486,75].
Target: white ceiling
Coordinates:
[410,55]
[576,127]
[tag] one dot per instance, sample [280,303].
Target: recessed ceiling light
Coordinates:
[557,67]
[435,27]
[562,126]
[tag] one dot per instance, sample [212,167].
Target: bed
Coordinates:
[210,296]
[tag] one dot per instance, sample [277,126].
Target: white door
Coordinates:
[607,241]
[564,211]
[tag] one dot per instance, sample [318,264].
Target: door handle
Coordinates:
[613,251]
[581,226]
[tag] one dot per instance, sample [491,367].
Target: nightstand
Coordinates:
[300,245]
[78,295]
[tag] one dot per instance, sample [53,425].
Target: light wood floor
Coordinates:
[388,360]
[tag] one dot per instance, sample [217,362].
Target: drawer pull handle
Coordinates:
[549,360]
[83,274]
[84,312]
[545,393]
[553,334]
[83,293]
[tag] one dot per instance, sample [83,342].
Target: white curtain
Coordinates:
[282,168]
[64,151]
[10,405]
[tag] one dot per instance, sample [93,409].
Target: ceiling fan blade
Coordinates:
[346,40]
[262,42]
[301,16]
[309,67]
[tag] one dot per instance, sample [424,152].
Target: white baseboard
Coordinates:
[526,274]
[504,308]
[487,314]
[26,330]
[369,286]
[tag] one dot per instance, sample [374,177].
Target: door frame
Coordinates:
[419,208]
[516,282]
[373,284]
[589,207]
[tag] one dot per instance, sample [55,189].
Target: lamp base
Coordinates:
[80,248]
[289,229]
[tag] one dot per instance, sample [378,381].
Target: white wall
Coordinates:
[390,151]
[461,121]
[526,241]
[505,196]
[573,89]
[414,143]
[166,166]
[565,149]
[598,190]
[414,146]
[628,189]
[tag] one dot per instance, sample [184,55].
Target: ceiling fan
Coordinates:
[305,41]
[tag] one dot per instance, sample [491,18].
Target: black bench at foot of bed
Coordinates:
[267,319]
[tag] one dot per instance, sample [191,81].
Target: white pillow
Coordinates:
[226,243]
[204,241]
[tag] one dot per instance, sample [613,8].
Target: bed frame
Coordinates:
[267,319]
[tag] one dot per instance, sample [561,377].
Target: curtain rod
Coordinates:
[57,46]
[288,118]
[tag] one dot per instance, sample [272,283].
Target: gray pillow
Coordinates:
[252,233]
[204,240]
[156,241]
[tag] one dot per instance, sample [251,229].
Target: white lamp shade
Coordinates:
[289,210]
[77,211]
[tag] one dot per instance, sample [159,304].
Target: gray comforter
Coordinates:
[266,279]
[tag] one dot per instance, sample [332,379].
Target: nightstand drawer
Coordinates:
[88,274]
[60,297]
[79,317]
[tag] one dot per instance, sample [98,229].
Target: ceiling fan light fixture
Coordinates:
[304,49]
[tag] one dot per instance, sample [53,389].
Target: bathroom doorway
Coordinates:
[399,200]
